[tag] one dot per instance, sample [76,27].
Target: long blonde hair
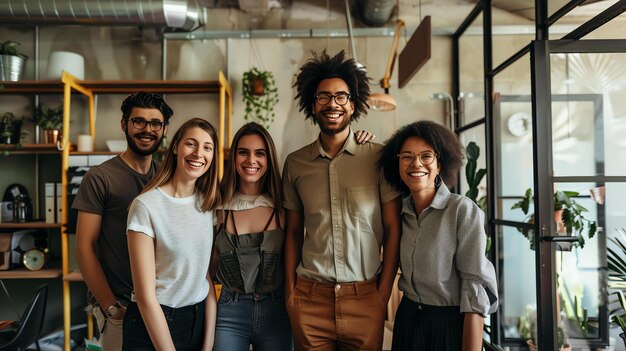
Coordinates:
[270,182]
[207,184]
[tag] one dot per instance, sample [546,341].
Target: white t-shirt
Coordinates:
[183,240]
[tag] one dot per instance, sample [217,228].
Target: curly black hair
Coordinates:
[146,100]
[321,67]
[444,141]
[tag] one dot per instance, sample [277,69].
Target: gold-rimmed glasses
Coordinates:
[407,158]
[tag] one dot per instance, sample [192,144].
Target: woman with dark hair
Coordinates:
[248,250]
[170,238]
[449,285]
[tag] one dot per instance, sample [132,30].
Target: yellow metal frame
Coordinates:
[70,82]
[226,100]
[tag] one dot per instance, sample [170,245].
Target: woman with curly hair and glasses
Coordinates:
[449,285]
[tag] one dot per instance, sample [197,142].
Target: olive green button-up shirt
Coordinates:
[340,198]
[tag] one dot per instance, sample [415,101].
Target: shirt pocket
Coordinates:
[362,200]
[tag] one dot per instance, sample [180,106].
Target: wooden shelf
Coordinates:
[23,273]
[29,225]
[93,153]
[30,148]
[75,276]
[32,86]
[114,86]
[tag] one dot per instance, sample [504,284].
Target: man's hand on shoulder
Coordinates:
[363,136]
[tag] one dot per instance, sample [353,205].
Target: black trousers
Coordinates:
[424,327]
[186,325]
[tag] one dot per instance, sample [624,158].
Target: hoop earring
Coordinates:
[438,180]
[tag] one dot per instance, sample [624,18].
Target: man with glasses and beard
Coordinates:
[337,287]
[102,202]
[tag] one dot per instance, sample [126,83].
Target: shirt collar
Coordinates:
[317,150]
[439,201]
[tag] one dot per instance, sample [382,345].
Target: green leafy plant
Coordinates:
[10,128]
[260,95]
[571,215]
[9,47]
[48,118]
[528,329]
[474,175]
[616,264]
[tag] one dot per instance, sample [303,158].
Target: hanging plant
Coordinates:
[260,96]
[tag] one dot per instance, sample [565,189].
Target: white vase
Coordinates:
[69,62]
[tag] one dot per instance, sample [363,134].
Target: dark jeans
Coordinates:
[186,325]
[253,319]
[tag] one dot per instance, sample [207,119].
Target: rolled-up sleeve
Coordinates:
[479,290]
[139,219]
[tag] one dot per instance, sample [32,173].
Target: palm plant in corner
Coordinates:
[260,95]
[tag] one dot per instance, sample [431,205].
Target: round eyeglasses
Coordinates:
[340,98]
[407,158]
[140,123]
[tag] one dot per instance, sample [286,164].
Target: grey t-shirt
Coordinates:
[108,190]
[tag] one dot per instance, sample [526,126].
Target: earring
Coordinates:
[438,180]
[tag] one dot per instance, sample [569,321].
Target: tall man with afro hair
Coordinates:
[337,287]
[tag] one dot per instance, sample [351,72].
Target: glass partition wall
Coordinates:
[550,134]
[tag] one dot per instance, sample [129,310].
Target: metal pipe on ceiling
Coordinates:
[376,13]
[181,14]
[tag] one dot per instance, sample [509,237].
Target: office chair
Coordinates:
[29,327]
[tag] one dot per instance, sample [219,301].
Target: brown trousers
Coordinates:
[342,316]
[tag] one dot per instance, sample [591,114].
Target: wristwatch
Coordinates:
[113,310]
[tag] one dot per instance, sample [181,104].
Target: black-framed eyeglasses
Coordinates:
[340,98]
[140,123]
[407,158]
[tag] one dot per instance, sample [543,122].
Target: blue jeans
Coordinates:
[253,319]
[186,325]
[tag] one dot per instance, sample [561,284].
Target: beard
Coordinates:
[132,144]
[334,129]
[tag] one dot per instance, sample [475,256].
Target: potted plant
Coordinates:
[50,120]
[528,330]
[10,128]
[260,95]
[12,61]
[568,215]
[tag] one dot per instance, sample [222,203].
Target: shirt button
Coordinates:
[337,287]
[332,166]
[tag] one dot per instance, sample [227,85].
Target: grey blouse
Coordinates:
[442,255]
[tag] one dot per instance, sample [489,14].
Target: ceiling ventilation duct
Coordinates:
[259,7]
[376,13]
[181,14]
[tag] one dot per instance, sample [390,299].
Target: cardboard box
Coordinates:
[5,251]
